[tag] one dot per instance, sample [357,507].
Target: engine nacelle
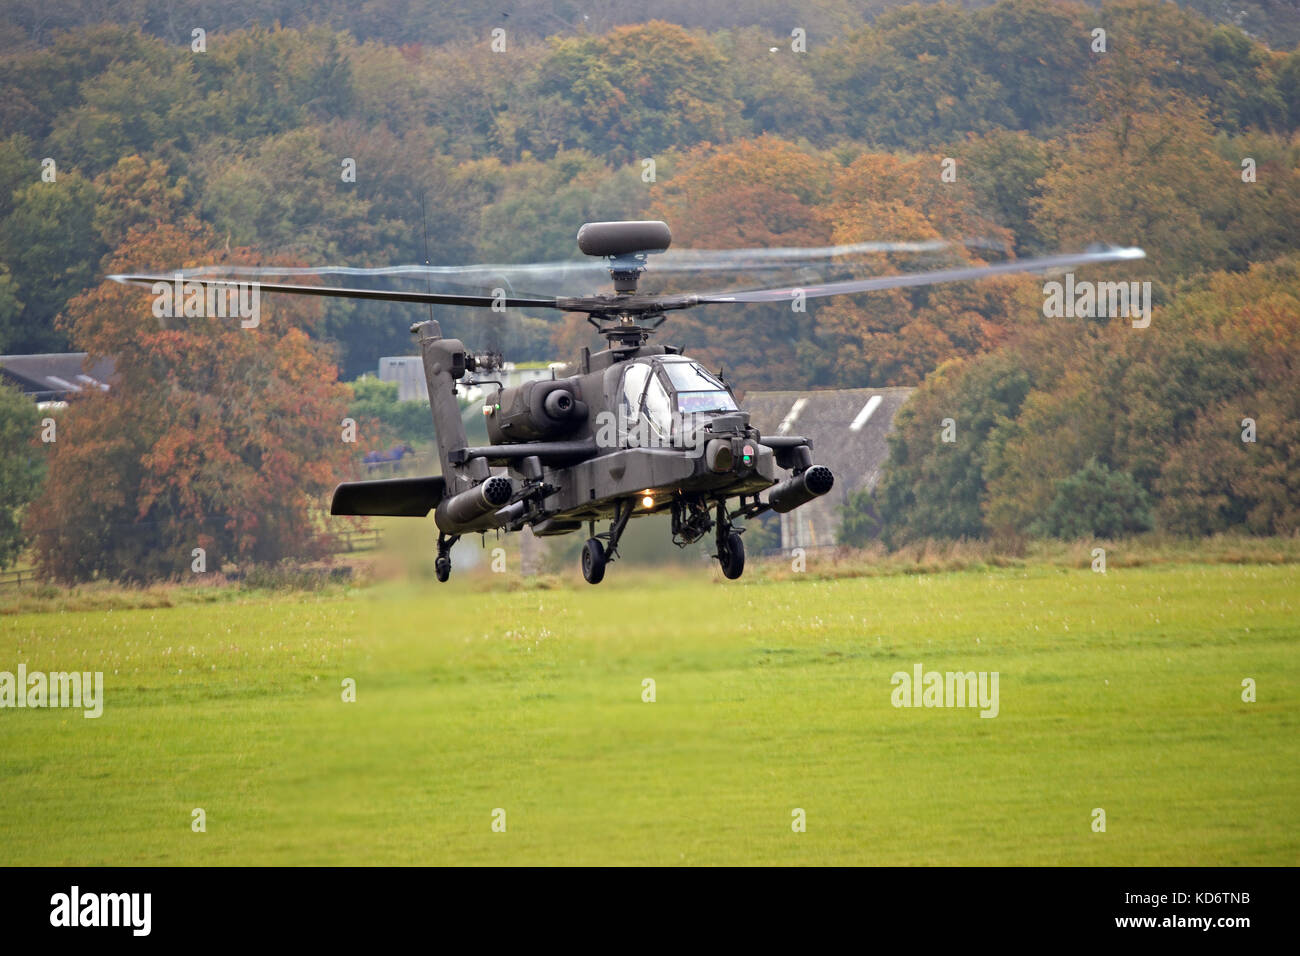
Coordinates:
[535,411]
[800,489]
[455,513]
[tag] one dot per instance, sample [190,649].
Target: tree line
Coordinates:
[1016,124]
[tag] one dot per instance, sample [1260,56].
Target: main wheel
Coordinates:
[732,556]
[442,567]
[593,561]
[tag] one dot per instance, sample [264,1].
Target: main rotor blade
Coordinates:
[677,260]
[338,292]
[906,280]
[480,274]
[727,260]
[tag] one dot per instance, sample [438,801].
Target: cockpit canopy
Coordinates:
[662,398]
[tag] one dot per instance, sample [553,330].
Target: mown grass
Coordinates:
[1120,691]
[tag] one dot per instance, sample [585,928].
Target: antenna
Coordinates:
[428,279]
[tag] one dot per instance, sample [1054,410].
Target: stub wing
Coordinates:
[398,497]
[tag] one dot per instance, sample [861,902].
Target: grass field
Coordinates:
[1120,691]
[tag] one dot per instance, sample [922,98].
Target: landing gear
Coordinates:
[731,553]
[731,550]
[595,555]
[593,561]
[442,563]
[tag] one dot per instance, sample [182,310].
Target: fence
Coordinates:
[359,540]
[406,465]
[16,578]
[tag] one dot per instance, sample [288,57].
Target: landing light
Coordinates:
[647,502]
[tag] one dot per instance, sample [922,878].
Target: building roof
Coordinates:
[848,428]
[408,372]
[55,376]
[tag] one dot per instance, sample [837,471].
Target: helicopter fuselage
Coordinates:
[641,429]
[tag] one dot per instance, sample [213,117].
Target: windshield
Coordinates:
[658,411]
[697,390]
[634,380]
[646,417]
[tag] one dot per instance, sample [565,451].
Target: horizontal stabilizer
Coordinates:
[399,497]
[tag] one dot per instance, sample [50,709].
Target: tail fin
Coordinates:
[444,363]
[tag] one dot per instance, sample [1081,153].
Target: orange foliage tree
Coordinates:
[751,194]
[213,436]
[898,336]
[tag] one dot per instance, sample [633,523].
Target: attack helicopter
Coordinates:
[640,429]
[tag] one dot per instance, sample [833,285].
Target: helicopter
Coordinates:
[641,428]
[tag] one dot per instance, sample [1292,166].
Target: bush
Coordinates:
[1096,502]
[408,421]
[860,524]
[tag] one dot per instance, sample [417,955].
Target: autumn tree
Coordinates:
[895,337]
[213,436]
[1239,460]
[750,194]
[639,90]
[133,192]
[1149,172]
[1082,427]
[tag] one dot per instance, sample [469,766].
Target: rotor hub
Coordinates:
[625,271]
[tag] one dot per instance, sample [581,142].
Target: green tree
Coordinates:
[22,468]
[932,488]
[859,520]
[1006,169]
[1095,502]
[18,168]
[52,248]
[1288,87]
[911,79]
[11,311]
[132,107]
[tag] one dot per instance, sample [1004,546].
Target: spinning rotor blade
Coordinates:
[479,274]
[905,280]
[652,303]
[382,295]
[683,260]
[731,260]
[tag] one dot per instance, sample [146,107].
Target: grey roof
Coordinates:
[408,372]
[55,375]
[855,455]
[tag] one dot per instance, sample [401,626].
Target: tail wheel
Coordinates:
[442,568]
[593,561]
[731,554]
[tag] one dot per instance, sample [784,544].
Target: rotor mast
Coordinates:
[626,319]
